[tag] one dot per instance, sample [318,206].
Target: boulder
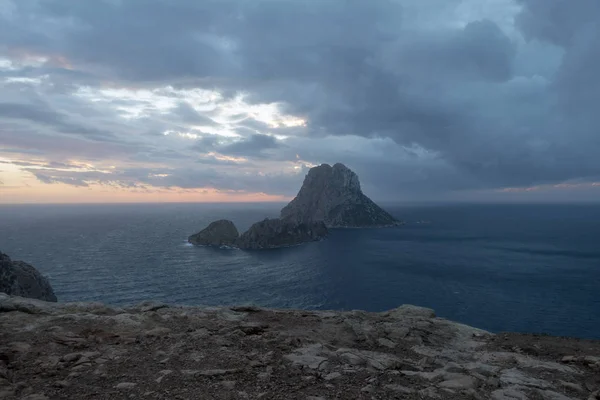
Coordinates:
[18,278]
[333,195]
[219,233]
[274,233]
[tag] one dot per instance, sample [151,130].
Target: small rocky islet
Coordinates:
[330,197]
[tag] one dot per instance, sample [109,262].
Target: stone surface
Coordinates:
[218,233]
[222,353]
[18,278]
[125,385]
[274,233]
[333,195]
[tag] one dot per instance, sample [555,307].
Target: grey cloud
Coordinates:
[498,104]
[19,138]
[187,114]
[557,21]
[186,178]
[252,145]
[44,177]
[45,116]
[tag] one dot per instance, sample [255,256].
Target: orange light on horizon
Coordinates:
[68,194]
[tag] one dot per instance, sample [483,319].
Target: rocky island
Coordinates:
[274,233]
[333,195]
[330,197]
[219,233]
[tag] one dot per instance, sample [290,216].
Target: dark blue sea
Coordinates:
[525,268]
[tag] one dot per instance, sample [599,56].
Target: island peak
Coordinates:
[334,195]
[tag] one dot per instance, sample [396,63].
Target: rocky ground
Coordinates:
[155,351]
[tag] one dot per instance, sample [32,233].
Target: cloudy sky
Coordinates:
[233,100]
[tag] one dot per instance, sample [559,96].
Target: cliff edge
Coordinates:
[157,351]
[21,279]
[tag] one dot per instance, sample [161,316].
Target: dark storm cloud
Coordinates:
[252,145]
[489,103]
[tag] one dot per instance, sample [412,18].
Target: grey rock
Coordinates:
[216,372]
[510,393]
[400,389]
[307,356]
[125,386]
[229,385]
[515,377]
[463,382]
[375,360]
[35,397]
[332,376]
[219,233]
[368,389]
[71,357]
[552,395]
[408,310]
[386,343]
[333,195]
[18,278]
[163,374]
[573,386]
[429,393]
[274,233]
[264,376]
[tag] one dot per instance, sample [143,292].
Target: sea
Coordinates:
[513,267]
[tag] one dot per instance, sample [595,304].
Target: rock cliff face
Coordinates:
[219,233]
[21,279]
[156,351]
[333,195]
[273,233]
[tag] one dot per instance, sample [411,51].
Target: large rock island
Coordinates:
[329,197]
[333,195]
[21,279]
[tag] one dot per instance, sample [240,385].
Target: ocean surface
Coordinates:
[525,268]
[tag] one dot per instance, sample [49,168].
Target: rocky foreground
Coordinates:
[155,351]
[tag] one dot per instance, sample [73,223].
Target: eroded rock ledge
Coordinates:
[156,351]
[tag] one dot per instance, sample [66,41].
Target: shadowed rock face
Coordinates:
[218,233]
[333,195]
[21,279]
[272,233]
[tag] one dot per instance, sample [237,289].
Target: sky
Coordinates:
[234,100]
